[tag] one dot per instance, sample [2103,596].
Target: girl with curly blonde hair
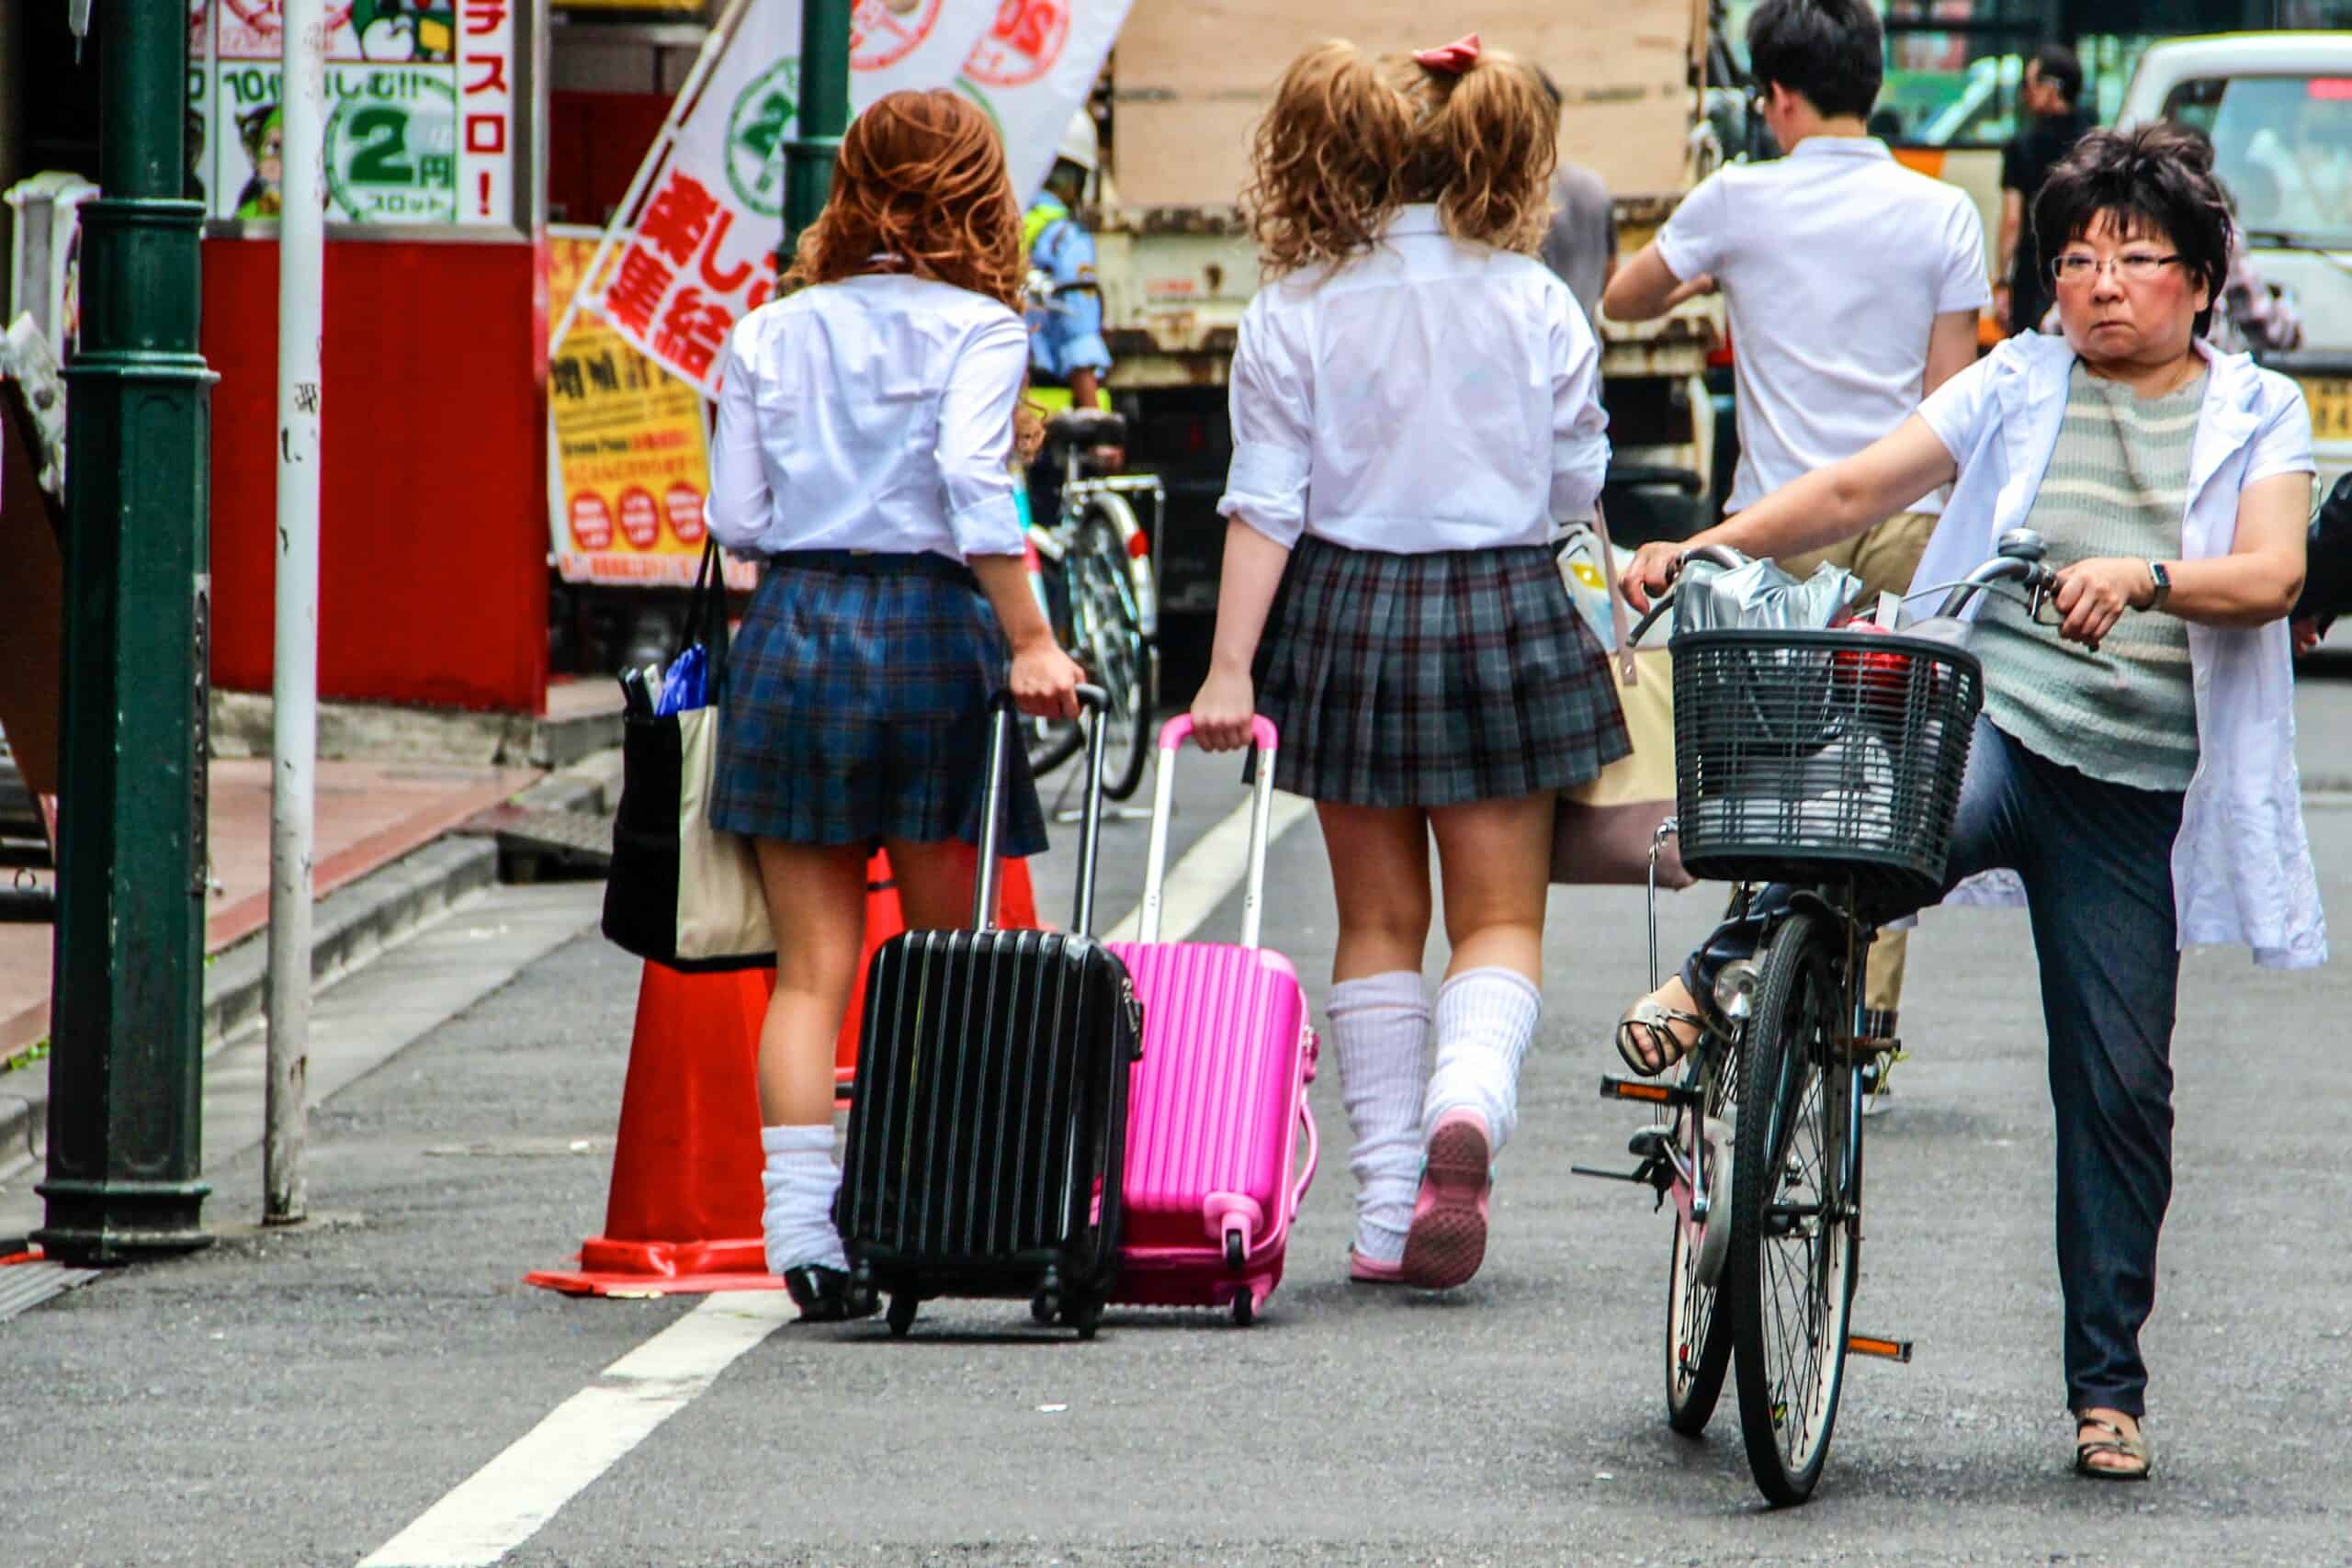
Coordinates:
[1415,410]
[863,427]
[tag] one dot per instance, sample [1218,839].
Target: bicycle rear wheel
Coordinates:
[1795,1212]
[1698,1327]
[1106,623]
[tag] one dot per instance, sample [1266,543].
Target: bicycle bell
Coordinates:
[2023,544]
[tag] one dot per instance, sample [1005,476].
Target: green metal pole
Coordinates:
[125,1113]
[824,115]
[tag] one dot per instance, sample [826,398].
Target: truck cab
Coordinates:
[2277,107]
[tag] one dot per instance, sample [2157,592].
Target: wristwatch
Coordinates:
[2161,580]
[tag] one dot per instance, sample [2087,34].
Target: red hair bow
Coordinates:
[1453,58]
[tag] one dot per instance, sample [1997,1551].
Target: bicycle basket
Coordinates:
[1811,756]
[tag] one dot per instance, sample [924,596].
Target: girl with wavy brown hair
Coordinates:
[864,425]
[1415,409]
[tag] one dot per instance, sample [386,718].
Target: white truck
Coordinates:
[2278,109]
[1188,81]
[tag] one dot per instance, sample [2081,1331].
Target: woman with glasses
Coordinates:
[2132,779]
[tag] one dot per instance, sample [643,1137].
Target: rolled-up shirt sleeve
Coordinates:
[1272,444]
[976,438]
[1579,424]
[2283,445]
[740,506]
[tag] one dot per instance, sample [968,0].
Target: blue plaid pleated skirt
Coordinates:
[1434,680]
[856,707]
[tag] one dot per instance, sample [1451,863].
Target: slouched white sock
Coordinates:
[1380,1026]
[1486,1021]
[800,1179]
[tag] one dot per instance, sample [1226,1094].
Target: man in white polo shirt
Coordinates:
[1853,286]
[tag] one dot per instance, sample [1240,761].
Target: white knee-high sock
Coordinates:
[800,1179]
[1380,1026]
[1486,1021]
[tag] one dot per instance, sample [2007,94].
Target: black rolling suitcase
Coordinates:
[990,1121]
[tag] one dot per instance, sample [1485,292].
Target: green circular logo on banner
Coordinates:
[763,120]
[392,149]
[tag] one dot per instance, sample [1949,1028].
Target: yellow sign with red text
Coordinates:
[629,450]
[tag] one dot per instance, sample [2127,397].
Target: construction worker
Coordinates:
[1068,355]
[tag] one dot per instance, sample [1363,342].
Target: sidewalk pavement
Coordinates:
[368,815]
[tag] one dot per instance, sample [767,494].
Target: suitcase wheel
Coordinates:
[1245,1309]
[864,1298]
[1086,1315]
[902,1314]
[1236,1249]
[1046,1306]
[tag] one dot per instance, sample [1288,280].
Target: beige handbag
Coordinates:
[1603,830]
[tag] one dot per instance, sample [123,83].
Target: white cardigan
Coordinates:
[2242,866]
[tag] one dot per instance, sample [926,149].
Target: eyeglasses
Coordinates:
[2132,267]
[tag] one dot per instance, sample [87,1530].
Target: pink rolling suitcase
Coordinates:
[1218,1097]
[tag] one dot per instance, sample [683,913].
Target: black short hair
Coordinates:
[2157,178]
[2056,64]
[1826,50]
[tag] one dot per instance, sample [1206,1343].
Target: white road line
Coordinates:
[1211,869]
[506,1502]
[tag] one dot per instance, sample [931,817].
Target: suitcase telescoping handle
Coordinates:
[1173,735]
[1001,714]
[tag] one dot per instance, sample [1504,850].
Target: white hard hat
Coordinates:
[1078,144]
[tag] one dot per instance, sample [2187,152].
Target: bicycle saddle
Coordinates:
[1086,427]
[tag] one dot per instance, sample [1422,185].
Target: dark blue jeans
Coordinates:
[2095,859]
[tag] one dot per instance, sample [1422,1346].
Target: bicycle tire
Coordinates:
[1698,1324]
[1792,1095]
[1108,625]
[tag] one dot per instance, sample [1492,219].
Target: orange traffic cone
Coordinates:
[683,1211]
[682,1214]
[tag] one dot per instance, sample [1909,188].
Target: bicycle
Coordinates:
[1832,759]
[1096,580]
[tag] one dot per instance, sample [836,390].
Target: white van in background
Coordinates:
[2278,109]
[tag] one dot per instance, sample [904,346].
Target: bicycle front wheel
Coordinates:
[1795,1212]
[1698,1327]
[1106,622]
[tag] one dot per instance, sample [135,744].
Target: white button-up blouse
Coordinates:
[875,413]
[1432,395]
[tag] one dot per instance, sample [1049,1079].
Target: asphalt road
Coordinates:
[299,1397]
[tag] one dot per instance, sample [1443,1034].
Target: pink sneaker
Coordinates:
[1370,1271]
[1447,1240]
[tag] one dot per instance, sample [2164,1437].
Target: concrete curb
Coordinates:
[351,925]
[241,728]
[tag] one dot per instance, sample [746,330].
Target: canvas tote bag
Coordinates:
[1602,831]
[681,893]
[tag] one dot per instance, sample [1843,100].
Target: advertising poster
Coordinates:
[422,100]
[629,454]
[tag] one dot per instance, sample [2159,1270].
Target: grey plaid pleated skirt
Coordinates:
[856,707]
[1434,680]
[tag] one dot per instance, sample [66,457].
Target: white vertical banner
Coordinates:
[1032,69]
[909,43]
[487,73]
[693,251]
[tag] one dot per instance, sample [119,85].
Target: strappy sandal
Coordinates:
[2134,1448]
[1647,1037]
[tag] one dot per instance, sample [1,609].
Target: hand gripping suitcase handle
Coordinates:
[1173,736]
[1001,714]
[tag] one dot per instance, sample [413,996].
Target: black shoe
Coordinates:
[823,1294]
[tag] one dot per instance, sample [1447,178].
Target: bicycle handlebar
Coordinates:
[2029,571]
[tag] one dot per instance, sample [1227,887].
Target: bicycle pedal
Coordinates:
[1640,1177]
[1863,1047]
[1647,1092]
[1883,1349]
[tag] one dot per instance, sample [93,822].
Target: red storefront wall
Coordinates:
[432,577]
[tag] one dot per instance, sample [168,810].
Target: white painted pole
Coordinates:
[294,738]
